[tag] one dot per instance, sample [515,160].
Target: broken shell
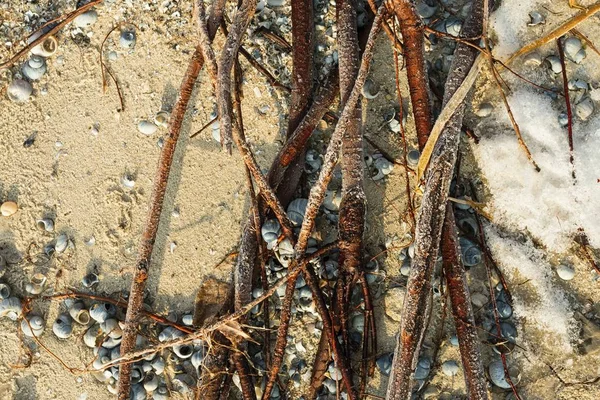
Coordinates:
[158,364]
[450,368]
[112,328]
[4,291]
[384,167]
[565,272]
[100,312]
[270,231]
[90,336]
[162,118]
[296,210]
[37,284]
[169,333]
[63,327]
[384,363]
[183,351]
[86,19]
[187,319]
[334,372]
[146,127]
[370,89]
[579,56]
[127,39]
[11,307]
[330,385]
[534,59]
[536,18]
[45,224]
[197,359]
[182,383]
[332,200]
[554,63]
[45,49]
[572,45]
[484,110]
[19,91]
[90,280]
[284,252]
[498,376]
[504,309]
[34,68]
[62,241]
[79,313]
[313,161]
[32,325]
[585,108]
[150,381]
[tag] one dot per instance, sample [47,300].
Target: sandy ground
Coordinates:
[75,177]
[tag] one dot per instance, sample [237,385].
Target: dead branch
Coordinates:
[205,41]
[561,54]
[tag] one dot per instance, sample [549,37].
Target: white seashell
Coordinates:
[79,313]
[533,59]
[554,63]
[572,45]
[484,110]
[137,392]
[162,118]
[45,224]
[112,389]
[584,109]
[394,125]
[332,200]
[296,210]
[19,91]
[453,26]
[45,49]
[62,241]
[37,284]
[330,385]
[188,319]
[90,280]
[565,272]
[100,312]
[334,372]
[579,56]
[183,351]
[169,333]
[162,393]
[32,325]
[412,157]
[128,181]
[8,208]
[450,368]
[498,376]
[111,343]
[63,327]
[197,359]
[370,89]
[147,127]
[158,364]
[86,19]
[384,168]
[90,336]
[4,291]
[100,361]
[270,231]
[536,18]
[11,307]
[34,68]
[284,252]
[127,39]
[112,328]
[150,382]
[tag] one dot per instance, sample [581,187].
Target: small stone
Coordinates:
[147,127]
[8,208]
[450,368]
[565,272]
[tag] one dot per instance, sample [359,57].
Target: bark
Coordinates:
[431,218]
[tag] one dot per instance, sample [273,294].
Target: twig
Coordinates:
[561,54]
[205,41]
[104,69]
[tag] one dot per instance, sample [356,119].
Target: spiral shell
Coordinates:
[34,68]
[162,393]
[296,210]
[498,376]
[100,312]
[79,313]
[370,90]
[183,351]
[150,381]
[45,224]
[127,39]
[32,325]
[63,327]
[90,336]
[45,49]
[270,232]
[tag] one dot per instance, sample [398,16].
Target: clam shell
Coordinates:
[62,242]
[565,272]
[484,110]
[147,127]
[63,327]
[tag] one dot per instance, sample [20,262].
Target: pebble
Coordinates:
[565,272]
[8,208]
[450,368]
[147,127]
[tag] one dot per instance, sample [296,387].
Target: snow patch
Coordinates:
[510,24]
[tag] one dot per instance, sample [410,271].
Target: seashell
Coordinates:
[384,363]
[394,125]
[182,383]
[554,63]
[162,393]
[90,280]
[450,368]
[183,351]
[425,10]
[579,56]
[572,45]
[100,312]
[453,26]
[188,319]
[484,110]
[45,49]
[34,68]
[533,59]
[405,268]
[498,376]
[431,392]
[45,224]
[162,119]
[284,252]
[86,19]
[332,200]
[454,340]
[329,270]
[127,39]
[296,210]
[563,119]
[169,333]
[62,241]
[535,18]
[334,372]
[4,291]
[423,368]
[137,392]
[128,181]
[100,361]
[584,109]
[471,254]
[412,157]
[11,307]
[384,168]
[504,309]
[216,131]
[330,385]
[79,313]
[270,231]
[197,359]
[19,91]
[90,336]
[146,127]
[37,284]
[358,322]
[63,326]
[313,161]
[150,381]
[112,328]
[112,388]
[370,90]
[468,224]
[158,364]
[565,272]
[32,325]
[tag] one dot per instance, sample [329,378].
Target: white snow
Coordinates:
[509,22]
[547,204]
[546,306]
